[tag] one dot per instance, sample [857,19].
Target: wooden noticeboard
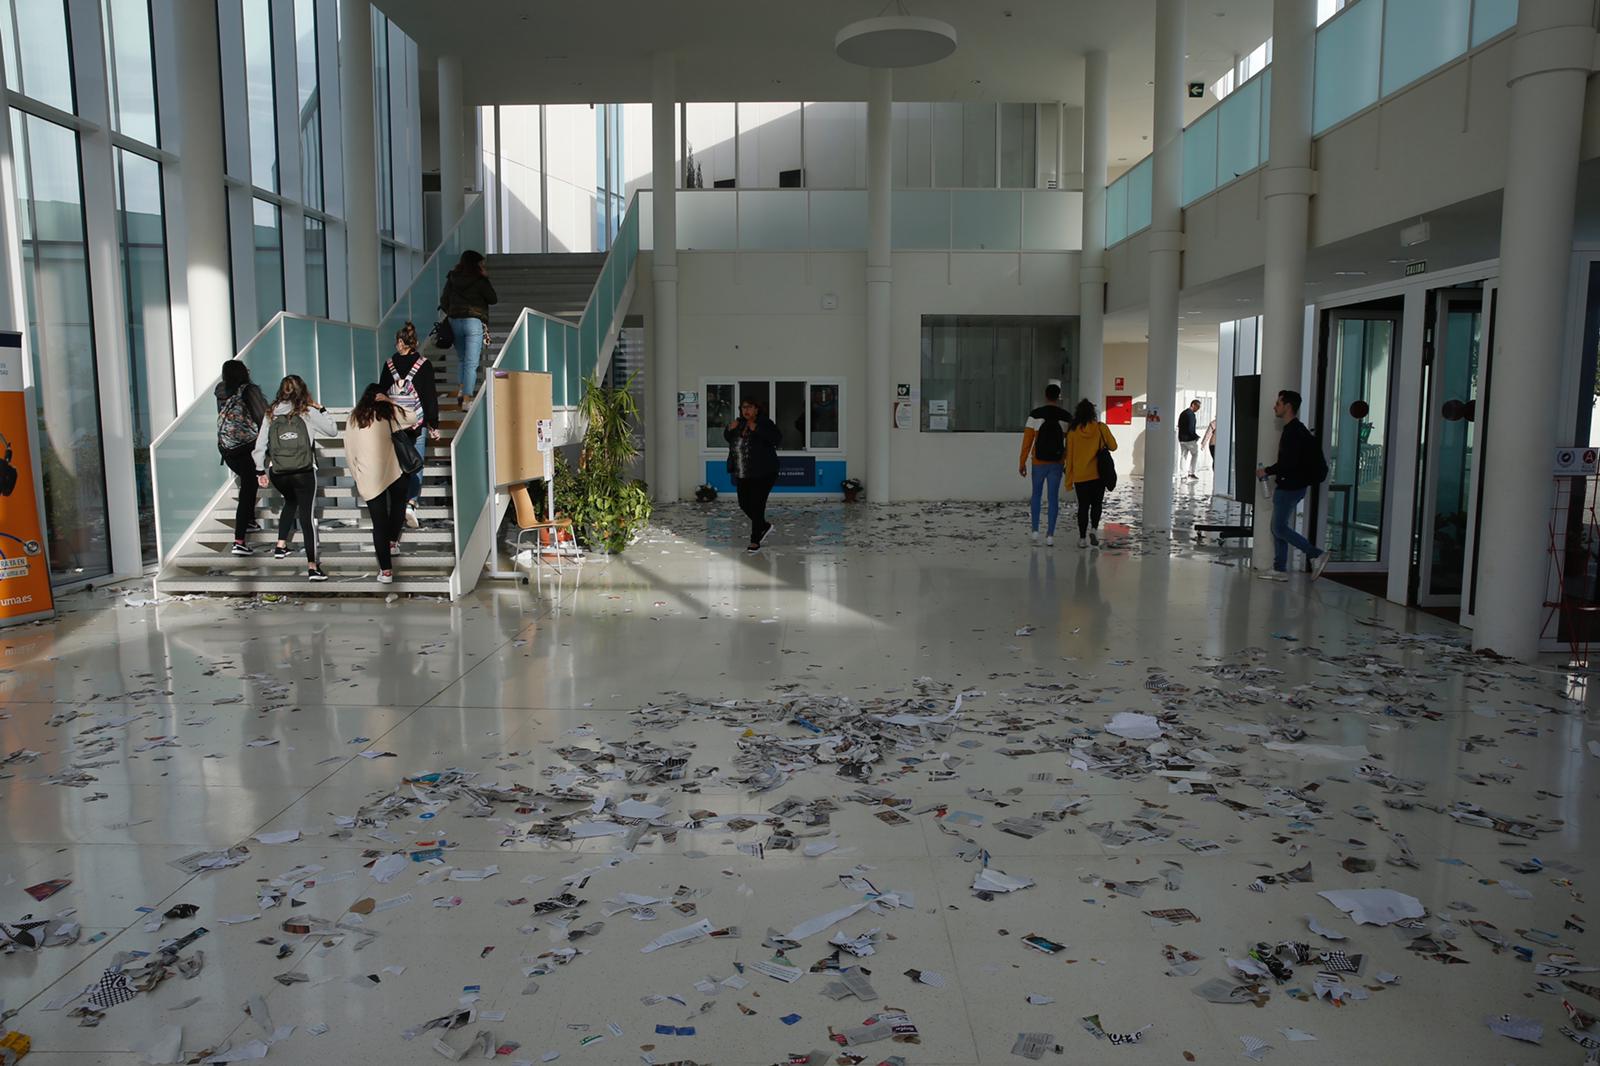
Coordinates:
[521,399]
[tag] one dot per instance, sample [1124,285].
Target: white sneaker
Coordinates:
[1083,542]
[1273,575]
[1050,542]
[411,517]
[1319,564]
[1034,537]
[386,577]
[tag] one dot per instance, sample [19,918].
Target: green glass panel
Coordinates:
[469,474]
[300,348]
[588,344]
[555,339]
[984,219]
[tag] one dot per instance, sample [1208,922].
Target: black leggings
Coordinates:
[1091,494]
[753,502]
[243,463]
[388,513]
[299,493]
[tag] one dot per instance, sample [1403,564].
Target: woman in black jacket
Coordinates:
[240,408]
[753,465]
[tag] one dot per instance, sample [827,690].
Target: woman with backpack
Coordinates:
[408,380]
[240,409]
[369,449]
[286,449]
[465,301]
[1085,441]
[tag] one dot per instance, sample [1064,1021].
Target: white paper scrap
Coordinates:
[285,836]
[1131,725]
[1375,906]
[166,1046]
[813,926]
[678,936]
[992,880]
[388,868]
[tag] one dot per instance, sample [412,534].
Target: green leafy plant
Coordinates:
[607,507]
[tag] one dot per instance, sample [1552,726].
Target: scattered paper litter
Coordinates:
[1131,725]
[1375,906]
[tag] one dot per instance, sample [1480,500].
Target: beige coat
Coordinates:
[370,452]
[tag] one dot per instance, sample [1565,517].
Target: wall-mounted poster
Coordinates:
[24,571]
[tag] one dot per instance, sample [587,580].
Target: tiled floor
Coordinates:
[851,612]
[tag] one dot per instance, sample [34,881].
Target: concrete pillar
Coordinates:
[1091,264]
[663,375]
[880,285]
[452,200]
[360,164]
[1166,264]
[204,214]
[1550,62]
[1288,184]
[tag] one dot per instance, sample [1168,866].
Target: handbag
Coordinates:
[442,335]
[1107,465]
[405,451]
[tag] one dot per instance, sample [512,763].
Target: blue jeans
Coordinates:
[1284,535]
[1046,474]
[414,481]
[469,348]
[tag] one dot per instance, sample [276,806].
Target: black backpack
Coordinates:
[1050,443]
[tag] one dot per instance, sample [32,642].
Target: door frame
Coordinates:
[1321,506]
[1427,485]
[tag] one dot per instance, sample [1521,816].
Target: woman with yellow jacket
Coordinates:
[1084,440]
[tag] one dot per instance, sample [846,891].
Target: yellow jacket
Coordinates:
[1083,444]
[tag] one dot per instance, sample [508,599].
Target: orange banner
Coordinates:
[24,573]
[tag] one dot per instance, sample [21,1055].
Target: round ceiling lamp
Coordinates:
[895,41]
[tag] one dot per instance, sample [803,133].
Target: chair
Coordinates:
[528,521]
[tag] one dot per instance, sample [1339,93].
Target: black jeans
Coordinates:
[1091,495]
[388,514]
[241,462]
[753,495]
[299,492]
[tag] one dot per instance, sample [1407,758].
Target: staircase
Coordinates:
[426,559]
[558,284]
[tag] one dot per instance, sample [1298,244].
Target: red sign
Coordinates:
[1119,410]
[1119,386]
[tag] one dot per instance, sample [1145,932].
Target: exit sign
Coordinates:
[1419,267]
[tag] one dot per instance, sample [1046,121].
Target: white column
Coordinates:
[203,216]
[1166,264]
[452,201]
[360,165]
[880,284]
[663,428]
[1091,264]
[1550,61]
[1288,184]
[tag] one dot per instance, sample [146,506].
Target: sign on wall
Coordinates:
[797,470]
[24,571]
[1119,410]
[1578,462]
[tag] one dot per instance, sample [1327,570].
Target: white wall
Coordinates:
[761,315]
[1197,379]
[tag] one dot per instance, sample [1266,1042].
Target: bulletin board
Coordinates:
[521,399]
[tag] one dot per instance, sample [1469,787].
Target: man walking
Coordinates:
[1188,439]
[1044,437]
[1300,465]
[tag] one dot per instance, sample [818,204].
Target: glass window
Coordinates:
[38,63]
[1200,157]
[984,374]
[1140,194]
[913,146]
[720,412]
[386,295]
[141,231]
[266,225]
[769,145]
[260,99]
[1239,133]
[947,146]
[55,271]
[1490,18]
[1347,64]
[836,145]
[710,129]
[1420,36]
[789,413]
[305,50]
[1019,128]
[978,132]
[385,135]
[1117,210]
[316,268]
[130,69]
[824,416]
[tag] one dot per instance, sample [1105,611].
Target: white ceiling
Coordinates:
[519,51]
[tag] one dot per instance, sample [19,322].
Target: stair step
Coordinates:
[244,585]
[342,561]
[224,514]
[264,540]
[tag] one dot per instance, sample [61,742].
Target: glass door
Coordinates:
[1356,368]
[1451,439]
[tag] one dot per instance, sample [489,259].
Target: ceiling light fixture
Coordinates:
[899,40]
[1349,273]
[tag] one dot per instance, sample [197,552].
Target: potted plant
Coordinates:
[607,508]
[705,494]
[852,487]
